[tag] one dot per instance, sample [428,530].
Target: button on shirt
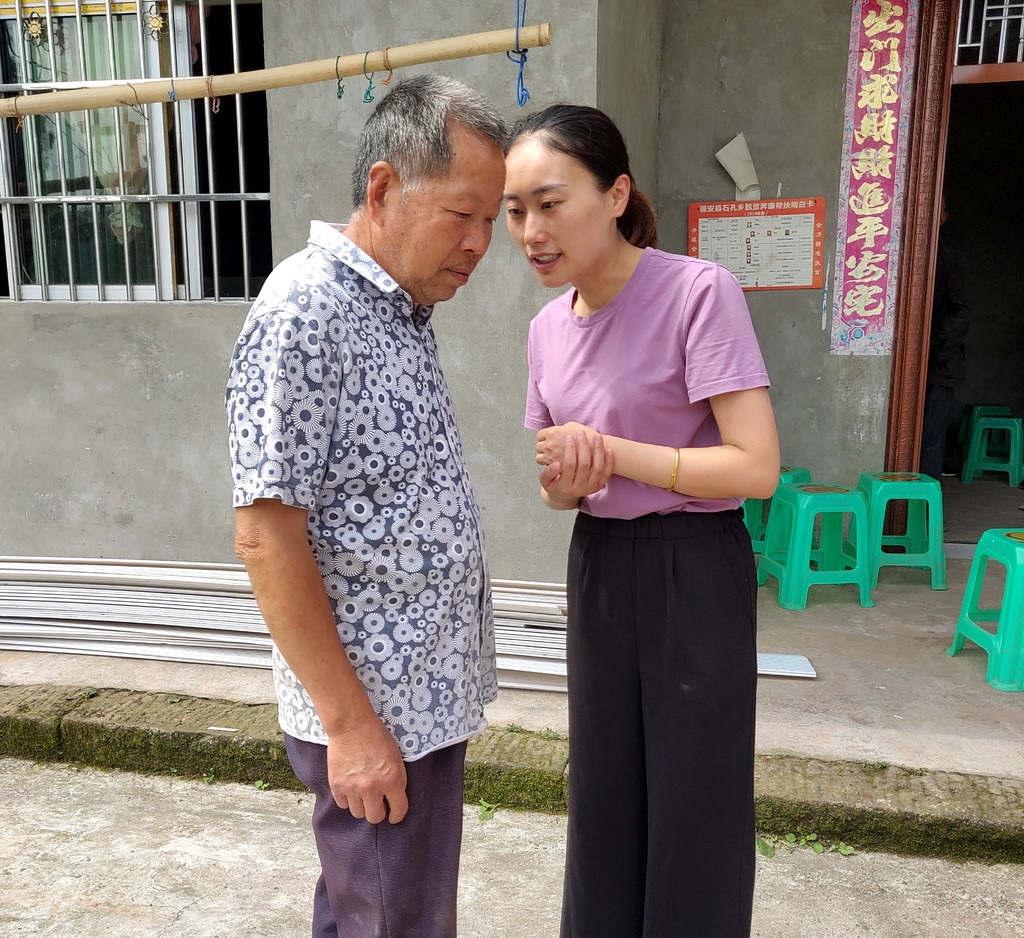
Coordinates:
[337,404]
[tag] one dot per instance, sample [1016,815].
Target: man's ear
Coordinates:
[382,187]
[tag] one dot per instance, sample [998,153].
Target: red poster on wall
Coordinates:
[879,83]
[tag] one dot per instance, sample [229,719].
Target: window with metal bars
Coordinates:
[142,202]
[990,32]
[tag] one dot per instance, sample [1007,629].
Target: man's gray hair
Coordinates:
[411,130]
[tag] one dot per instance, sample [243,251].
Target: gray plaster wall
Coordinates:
[779,78]
[113,429]
[112,414]
[629,75]
[482,331]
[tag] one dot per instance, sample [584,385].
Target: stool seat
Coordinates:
[791,554]
[921,542]
[985,452]
[756,510]
[1005,643]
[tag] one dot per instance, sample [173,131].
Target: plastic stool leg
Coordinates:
[1005,657]
[794,584]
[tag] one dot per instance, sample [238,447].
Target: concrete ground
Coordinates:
[885,691]
[116,855]
[894,746]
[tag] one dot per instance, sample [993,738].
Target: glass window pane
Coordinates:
[102,151]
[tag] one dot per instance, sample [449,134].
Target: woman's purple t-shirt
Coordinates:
[643,368]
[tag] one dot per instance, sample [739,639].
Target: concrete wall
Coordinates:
[112,414]
[113,430]
[482,331]
[629,76]
[776,72]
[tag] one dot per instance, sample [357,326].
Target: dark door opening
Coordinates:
[981,188]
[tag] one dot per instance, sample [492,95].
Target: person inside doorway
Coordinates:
[946,352]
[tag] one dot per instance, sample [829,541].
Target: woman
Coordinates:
[650,397]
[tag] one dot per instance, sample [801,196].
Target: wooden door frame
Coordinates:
[925,169]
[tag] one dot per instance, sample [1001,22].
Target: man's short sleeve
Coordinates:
[283,395]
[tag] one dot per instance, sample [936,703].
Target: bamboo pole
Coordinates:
[161,90]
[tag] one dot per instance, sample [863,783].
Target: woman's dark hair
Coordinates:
[591,138]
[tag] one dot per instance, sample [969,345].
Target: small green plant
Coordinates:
[876,766]
[261,785]
[548,733]
[209,777]
[768,845]
[801,839]
[486,810]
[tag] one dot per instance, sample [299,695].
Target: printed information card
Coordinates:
[773,244]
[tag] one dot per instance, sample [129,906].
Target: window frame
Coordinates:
[171,194]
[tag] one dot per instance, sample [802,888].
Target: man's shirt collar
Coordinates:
[331,238]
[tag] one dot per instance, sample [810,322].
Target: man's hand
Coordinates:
[366,772]
[364,765]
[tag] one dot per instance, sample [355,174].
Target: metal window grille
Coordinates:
[990,32]
[142,202]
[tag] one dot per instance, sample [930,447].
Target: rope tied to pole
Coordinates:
[518,55]
[368,94]
[215,101]
[387,65]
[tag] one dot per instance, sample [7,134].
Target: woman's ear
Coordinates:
[619,192]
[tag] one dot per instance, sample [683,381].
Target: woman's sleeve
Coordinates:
[720,345]
[537,414]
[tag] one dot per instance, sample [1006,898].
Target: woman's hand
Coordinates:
[585,468]
[551,442]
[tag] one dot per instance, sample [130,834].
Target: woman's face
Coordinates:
[555,212]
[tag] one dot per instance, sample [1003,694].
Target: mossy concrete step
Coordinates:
[868,805]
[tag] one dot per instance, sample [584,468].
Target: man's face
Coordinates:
[435,234]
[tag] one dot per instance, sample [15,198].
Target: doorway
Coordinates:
[984,197]
[968,140]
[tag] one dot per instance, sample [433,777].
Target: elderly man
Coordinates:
[356,519]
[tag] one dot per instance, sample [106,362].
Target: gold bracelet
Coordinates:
[675,470]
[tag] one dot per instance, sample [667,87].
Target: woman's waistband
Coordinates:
[672,525]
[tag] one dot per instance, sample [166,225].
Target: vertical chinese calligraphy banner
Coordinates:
[879,93]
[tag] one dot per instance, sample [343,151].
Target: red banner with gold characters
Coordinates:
[872,184]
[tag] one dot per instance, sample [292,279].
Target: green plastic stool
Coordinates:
[756,510]
[921,542]
[981,453]
[791,554]
[971,412]
[1005,645]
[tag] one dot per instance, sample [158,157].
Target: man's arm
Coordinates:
[364,764]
